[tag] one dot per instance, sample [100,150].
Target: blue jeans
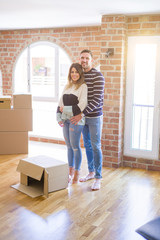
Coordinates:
[92,142]
[72,135]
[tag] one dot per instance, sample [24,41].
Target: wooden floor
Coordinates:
[128,199]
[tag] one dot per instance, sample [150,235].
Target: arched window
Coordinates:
[42,69]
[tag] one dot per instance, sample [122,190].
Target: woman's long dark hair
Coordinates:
[80,81]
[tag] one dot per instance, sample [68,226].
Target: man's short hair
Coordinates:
[87,51]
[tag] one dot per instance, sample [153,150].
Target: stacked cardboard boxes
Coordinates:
[15,123]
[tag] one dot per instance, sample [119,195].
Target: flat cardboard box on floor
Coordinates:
[22,101]
[5,102]
[15,120]
[40,175]
[13,142]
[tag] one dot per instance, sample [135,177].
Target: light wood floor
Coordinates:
[128,198]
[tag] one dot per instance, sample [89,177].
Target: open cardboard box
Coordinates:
[40,175]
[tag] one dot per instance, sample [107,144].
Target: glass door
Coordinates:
[142,98]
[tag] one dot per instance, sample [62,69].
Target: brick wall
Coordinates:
[72,40]
[112,33]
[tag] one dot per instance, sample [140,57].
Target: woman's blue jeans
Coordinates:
[92,132]
[72,135]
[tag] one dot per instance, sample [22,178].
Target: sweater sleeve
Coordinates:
[83,98]
[60,104]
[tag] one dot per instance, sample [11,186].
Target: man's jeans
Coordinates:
[92,141]
[72,135]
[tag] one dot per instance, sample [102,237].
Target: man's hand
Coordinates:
[76,119]
[61,123]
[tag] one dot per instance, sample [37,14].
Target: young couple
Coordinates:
[80,111]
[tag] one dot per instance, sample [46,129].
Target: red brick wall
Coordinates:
[143,25]
[112,33]
[72,40]
[113,68]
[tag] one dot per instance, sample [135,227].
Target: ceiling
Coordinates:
[20,14]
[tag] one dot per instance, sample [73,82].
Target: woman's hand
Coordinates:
[61,123]
[61,109]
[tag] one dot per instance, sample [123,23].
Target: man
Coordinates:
[94,119]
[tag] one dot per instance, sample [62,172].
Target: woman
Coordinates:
[72,102]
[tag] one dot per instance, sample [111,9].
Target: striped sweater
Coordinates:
[95,83]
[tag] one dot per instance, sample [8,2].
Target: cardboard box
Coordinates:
[22,101]
[15,120]
[40,175]
[13,142]
[5,102]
